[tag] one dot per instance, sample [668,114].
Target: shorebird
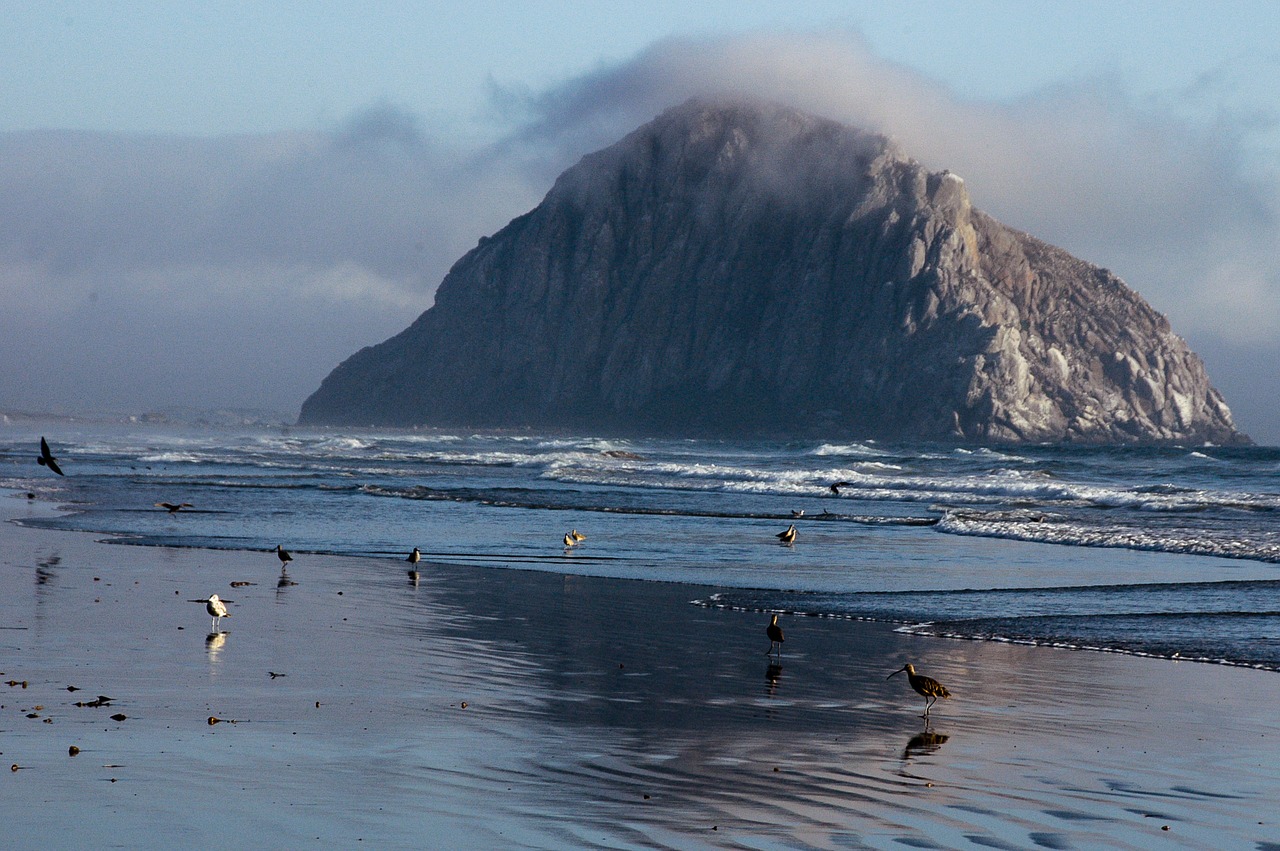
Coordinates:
[577,536]
[46,458]
[174,507]
[216,608]
[795,513]
[927,687]
[789,536]
[413,559]
[569,540]
[775,636]
[285,558]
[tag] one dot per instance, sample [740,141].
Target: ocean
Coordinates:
[1169,552]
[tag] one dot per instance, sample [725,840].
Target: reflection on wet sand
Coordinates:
[924,743]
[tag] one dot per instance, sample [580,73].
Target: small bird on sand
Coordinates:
[775,636]
[413,559]
[46,458]
[577,536]
[216,608]
[927,687]
[285,558]
[835,487]
[789,536]
[173,507]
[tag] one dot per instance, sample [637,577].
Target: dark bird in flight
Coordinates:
[835,487]
[927,687]
[173,507]
[46,458]
[775,636]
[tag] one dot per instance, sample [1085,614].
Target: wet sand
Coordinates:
[490,708]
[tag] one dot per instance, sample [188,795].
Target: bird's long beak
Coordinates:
[895,673]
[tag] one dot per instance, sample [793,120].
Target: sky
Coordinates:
[212,207]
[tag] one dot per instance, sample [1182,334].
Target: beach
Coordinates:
[503,708]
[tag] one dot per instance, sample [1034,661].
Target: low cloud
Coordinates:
[274,257]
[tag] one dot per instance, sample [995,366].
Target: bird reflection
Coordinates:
[924,743]
[44,569]
[213,644]
[772,674]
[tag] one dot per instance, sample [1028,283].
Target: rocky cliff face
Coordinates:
[739,268]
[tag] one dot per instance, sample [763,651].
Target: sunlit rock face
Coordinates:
[739,268]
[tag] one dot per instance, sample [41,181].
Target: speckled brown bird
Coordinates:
[927,687]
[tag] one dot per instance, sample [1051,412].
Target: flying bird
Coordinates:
[285,558]
[775,636]
[835,487]
[173,507]
[927,687]
[46,458]
[789,536]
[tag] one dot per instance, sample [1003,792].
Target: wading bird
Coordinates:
[46,458]
[789,536]
[569,541]
[775,636]
[173,507]
[413,559]
[216,608]
[927,687]
[577,536]
[285,558]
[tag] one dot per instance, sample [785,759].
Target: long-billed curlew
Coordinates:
[775,636]
[789,536]
[927,687]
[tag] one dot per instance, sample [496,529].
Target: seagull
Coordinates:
[216,608]
[577,536]
[789,536]
[927,687]
[174,507]
[775,636]
[285,558]
[795,513]
[46,458]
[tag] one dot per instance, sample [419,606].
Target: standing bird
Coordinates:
[46,458]
[173,507]
[775,636]
[569,541]
[789,536]
[285,558]
[927,687]
[216,608]
[577,536]
[413,559]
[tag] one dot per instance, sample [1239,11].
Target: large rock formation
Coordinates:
[743,268]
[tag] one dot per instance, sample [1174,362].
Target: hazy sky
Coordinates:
[213,207]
